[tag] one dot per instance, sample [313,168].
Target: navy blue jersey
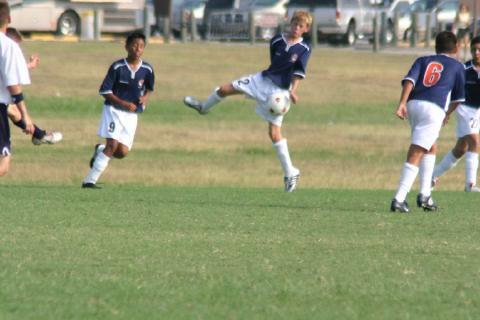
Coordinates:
[472,85]
[439,79]
[286,61]
[126,84]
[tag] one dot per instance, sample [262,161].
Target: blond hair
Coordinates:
[302,16]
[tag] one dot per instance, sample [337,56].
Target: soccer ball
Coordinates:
[278,103]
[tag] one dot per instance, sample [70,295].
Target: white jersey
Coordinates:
[13,67]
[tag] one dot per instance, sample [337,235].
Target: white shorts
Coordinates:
[259,88]
[468,120]
[426,121]
[118,125]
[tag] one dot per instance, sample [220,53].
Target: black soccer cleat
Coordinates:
[426,202]
[399,206]
[90,185]
[95,152]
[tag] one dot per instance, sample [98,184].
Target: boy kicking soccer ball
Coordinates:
[126,89]
[289,55]
[432,90]
[468,125]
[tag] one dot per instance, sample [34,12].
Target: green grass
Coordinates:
[194,222]
[214,253]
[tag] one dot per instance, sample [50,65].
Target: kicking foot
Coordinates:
[90,185]
[472,188]
[292,181]
[399,206]
[194,104]
[49,138]
[434,182]
[426,202]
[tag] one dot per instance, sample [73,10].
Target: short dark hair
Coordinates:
[446,42]
[474,41]
[135,35]
[4,13]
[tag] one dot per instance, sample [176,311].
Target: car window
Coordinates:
[219,4]
[402,7]
[266,3]
[316,3]
[449,6]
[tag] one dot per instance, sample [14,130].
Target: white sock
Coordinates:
[100,148]
[471,168]
[284,156]
[448,162]
[409,173]
[425,172]
[212,100]
[100,164]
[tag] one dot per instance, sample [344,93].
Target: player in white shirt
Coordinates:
[39,136]
[13,74]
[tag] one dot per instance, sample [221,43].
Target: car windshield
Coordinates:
[322,3]
[265,3]
[423,5]
[194,3]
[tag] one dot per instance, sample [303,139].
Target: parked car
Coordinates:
[229,19]
[344,20]
[441,15]
[64,17]
[195,8]
[401,9]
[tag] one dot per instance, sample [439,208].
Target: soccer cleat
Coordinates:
[90,185]
[292,181]
[95,152]
[434,182]
[49,138]
[399,206]
[472,188]
[194,104]
[426,202]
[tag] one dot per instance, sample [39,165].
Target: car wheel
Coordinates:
[68,24]
[351,36]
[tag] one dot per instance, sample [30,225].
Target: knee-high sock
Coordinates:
[38,133]
[212,100]
[471,168]
[407,178]
[426,170]
[284,156]
[100,164]
[448,162]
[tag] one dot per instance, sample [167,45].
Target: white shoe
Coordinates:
[292,181]
[194,104]
[434,182]
[472,188]
[49,138]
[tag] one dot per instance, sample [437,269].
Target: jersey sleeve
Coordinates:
[109,81]
[14,67]
[150,81]
[458,92]
[300,67]
[414,73]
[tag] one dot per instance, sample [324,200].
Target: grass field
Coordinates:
[194,223]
